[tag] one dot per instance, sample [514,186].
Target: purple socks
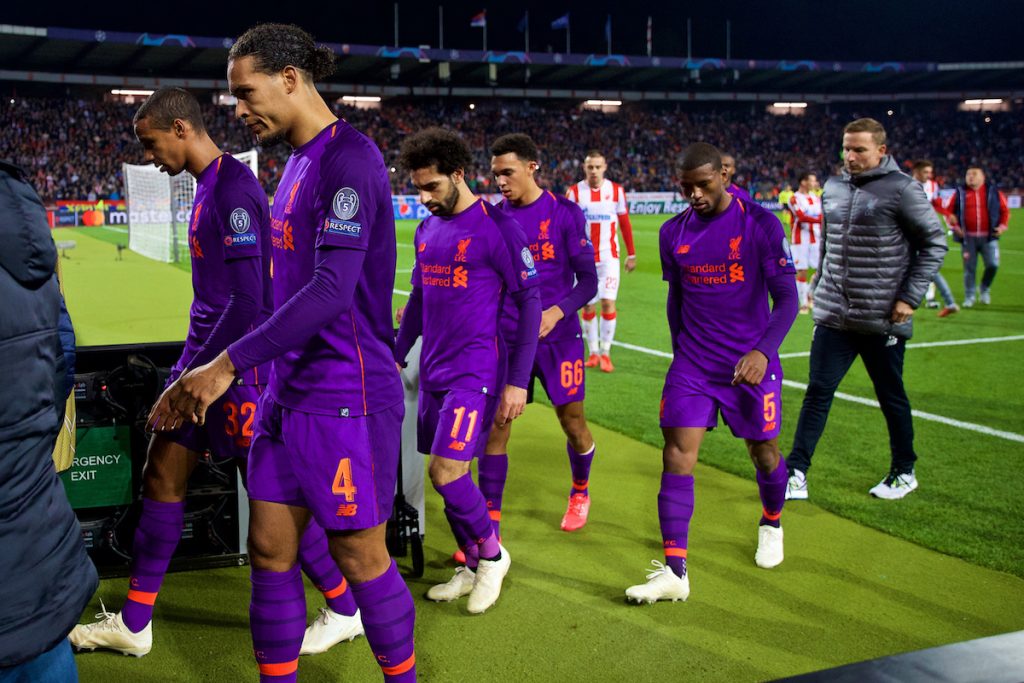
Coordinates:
[466,508]
[492,472]
[580,464]
[389,617]
[773,493]
[675,509]
[318,564]
[277,618]
[156,537]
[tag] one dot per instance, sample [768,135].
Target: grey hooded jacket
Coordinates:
[882,241]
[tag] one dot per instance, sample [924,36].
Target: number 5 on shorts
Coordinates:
[343,483]
[770,410]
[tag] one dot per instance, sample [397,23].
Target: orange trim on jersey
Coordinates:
[219,160]
[362,367]
[338,590]
[279,669]
[142,597]
[675,552]
[771,516]
[494,515]
[483,205]
[334,129]
[552,194]
[742,207]
[399,669]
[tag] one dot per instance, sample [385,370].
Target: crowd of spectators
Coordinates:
[73,149]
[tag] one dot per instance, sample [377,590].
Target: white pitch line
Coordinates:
[925,345]
[920,414]
[402,292]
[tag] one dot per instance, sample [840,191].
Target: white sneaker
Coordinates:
[986,297]
[796,487]
[458,586]
[328,629]
[895,486]
[489,576]
[662,584]
[969,302]
[110,633]
[769,547]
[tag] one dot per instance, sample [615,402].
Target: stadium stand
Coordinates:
[74,148]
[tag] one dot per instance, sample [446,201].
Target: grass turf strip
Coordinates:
[844,593]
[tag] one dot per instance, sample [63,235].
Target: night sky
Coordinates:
[867,30]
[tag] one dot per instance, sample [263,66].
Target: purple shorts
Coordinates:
[342,469]
[559,367]
[455,424]
[752,412]
[228,429]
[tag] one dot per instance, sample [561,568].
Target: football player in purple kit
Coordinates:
[556,230]
[722,258]
[470,256]
[228,236]
[326,441]
[729,166]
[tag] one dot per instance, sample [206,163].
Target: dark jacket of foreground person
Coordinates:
[46,578]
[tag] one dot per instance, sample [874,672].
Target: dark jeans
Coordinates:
[832,353]
[54,666]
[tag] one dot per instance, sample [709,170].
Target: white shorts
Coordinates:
[806,254]
[607,279]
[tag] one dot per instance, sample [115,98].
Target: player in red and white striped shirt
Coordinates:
[805,205]
[604,204]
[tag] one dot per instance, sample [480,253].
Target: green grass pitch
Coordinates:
[862,578]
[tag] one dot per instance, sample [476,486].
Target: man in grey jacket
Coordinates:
[882,245]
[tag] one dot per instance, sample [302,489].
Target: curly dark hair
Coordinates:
[438,147]
[520,144]
[275,46]
[169,103]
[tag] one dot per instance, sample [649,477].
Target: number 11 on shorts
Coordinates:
[460,413]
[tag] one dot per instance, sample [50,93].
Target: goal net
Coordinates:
[159,207]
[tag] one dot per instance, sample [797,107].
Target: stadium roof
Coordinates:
[125,59]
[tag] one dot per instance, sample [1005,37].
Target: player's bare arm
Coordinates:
[751,368]
[549,318]
[194,392]
[513,400]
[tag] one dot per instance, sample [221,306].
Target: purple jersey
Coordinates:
[229,221]
[466,265]
[335,194]
[556,231]
[721,266]
[739,193]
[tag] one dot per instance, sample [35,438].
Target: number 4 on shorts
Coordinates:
[343,483]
